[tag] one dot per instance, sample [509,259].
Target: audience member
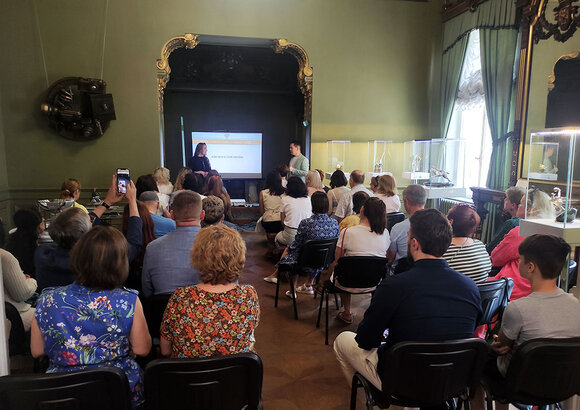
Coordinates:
[324,187]
[161,176]
[215,186]
[374,184]
[284,170]
[358,200]
[193,182]
[513,197]
[270,202]
[430,302]
[183,171]
[465,254]
[318,226]
[23,242]
[218,316]
[313,182]
[18,287]
[356,181]
[148,183]
[71,190]
[338,190]
[369,238]
[294,207]
[299,165]
[199,162]
[387,192]
[94,321]
[53,259]
[162,224]
[506,255]
[166,263]
[213,208]
[414,199]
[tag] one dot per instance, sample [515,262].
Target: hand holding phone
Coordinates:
[123,179]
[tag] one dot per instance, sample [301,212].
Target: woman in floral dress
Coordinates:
[218,316]
[94,321]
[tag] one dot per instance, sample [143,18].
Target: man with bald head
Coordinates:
[356,181]
[166,264]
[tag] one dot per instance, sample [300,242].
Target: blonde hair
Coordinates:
[180,178]
[69,187]
[219,254]
[313,179]
[161,175]
[539,205]
[387,185]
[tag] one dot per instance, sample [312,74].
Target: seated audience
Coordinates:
[283,170]
[161,176]
[465,254]
[23,242]
[94,321]
[217,316]
[270,201]
[313,182]
[358,200]
[70,190]
[294,207]
[148,183]
[414,199]
[318,226]
[506,255]
[344,207]
[215,186]
[429,302]
[193,182]
[18,287]
[162,224]
[337,190]
[513,197]
[213,207]
[369,238]
[183,171]
[324,187]
[53,259]
[374,184]
[166,264]
[387,192]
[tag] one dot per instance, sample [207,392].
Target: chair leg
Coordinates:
[336,301]
[488,400]
[320,308]
[353,392]
[277,289]
[326,323]
[293,293]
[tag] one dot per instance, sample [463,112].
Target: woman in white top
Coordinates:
[387,192]
[294,207]
[161,175]
[338,189]
[18,287]
[270,202]
[313,182]
[369,238]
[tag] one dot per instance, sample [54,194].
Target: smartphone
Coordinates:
[123,179]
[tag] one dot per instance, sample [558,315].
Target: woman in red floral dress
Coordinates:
[218,316]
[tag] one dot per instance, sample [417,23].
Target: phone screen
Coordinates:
[123,179]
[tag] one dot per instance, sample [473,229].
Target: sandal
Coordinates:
[305,289]
[342,316]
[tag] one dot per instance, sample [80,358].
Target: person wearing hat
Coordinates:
[162,224]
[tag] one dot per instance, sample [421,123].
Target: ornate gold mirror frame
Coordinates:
[280,46]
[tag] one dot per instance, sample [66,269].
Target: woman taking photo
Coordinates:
[218,316]
[94,321]
[199,162]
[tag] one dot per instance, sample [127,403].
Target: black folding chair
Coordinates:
[315,254]
[394,218]
[95,389]
[541,372]
[359,272]
[426,374]
[222,382]
[495,296]
[153,308]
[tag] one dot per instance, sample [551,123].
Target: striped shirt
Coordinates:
[473,260]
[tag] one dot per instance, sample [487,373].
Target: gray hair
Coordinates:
[539,205]
[415,194]
[69,226]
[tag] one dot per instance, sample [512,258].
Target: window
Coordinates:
[469,117]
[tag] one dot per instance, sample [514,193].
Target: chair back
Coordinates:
[360,271]
[494,299]
[224,382]
[317,253]
[394,218]
[546,371]
[17,343]
[423,374]
[153,308]
[95,389]
[572,273]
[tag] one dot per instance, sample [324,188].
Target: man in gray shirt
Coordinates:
[299,165]
[356,181]
[166,265]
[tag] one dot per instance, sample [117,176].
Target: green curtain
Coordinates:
[498,54]
[451,65]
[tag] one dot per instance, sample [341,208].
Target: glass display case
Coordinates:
[379,155]
[543,158]
[338,154]
[416,160]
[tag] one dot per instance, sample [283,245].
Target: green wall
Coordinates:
[373,72]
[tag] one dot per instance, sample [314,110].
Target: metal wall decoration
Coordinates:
[566,21]
[78,108]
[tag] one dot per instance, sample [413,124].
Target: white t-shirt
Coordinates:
[393,203]
[344,207]
[358,240]
[295,210]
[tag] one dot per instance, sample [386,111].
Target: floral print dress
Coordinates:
[199,323]
[83,328]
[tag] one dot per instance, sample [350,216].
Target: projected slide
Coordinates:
[232,154]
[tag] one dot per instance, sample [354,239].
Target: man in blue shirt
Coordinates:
[166,265]
[429,302]
[162,225]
